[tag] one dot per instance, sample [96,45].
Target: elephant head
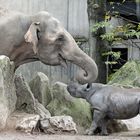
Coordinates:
[53,45]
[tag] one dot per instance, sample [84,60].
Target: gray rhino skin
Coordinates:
[41,37]
[108,102]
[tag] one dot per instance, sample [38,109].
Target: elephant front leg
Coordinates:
[97,117]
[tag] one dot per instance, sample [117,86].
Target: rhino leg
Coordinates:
[103,125]
[98,116]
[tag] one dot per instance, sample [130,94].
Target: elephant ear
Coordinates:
[32,35]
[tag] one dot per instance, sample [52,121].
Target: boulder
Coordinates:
[133,123]
[124,125]
[7,90]
[64,104]
[40,87]
[58,125]
[28,123]
[23,122]
[116,126]
[26,101]
[127,76]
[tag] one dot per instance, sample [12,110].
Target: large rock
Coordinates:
[58,125]
[40,87]
[26,101]
[133,123]
[28,123]
[23,122]
[124,125]
[7,90]
[127,76]
[116,126]
[64,104]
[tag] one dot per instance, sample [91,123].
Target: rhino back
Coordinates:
[117,103]
[123,103]
[122,106]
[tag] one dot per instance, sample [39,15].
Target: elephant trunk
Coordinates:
[89,71]
[74,54]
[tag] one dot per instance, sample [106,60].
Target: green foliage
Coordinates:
[110,62]
[123,1]
[99,25]
[118,33]
[110,37]
[115,34]
[114,55]
[138,27]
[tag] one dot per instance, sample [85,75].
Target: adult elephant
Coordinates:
[25,38]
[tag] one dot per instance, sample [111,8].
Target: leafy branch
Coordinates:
[118,33]
[114,55]
[99,25]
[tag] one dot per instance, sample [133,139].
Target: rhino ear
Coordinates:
[32,36]
[89,86]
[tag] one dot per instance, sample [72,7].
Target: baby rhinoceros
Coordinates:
[108,102]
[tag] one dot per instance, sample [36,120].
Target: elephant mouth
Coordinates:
[63,61]
[18,63]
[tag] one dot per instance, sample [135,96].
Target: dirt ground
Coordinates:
[13,135]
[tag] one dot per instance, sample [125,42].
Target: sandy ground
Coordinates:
[13,135]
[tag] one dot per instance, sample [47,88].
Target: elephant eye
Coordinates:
[60,38]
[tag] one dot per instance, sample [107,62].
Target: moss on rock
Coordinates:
[64,104]
[128,75]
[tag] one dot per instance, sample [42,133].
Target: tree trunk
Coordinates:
[96,13]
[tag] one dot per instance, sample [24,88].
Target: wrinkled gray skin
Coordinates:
[108,102]
[25,39]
